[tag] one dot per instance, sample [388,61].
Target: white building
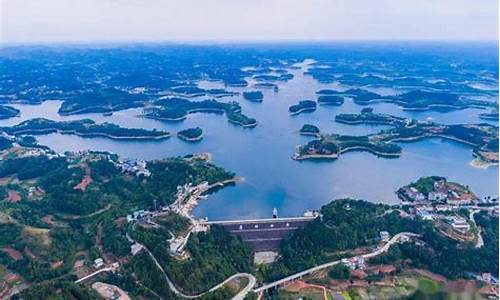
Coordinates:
[459,223]
[384,236]
[437,196]
[424,213]
[98,263]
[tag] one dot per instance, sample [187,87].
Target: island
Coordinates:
[195,91]
[330,100]
[7,112]
[483,138]
[104,100]
[84,128]
[253,96]
[330,146]
[367,116]
[414,100]
[194,134]
[308,129]
[302,106]
[177,109]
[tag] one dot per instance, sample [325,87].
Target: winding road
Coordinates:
[251,279]
[379,251]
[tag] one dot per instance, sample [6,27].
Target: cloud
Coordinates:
[254,20]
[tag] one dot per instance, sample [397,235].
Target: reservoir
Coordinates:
[262,155]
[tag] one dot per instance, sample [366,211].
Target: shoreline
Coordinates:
[305,109]
[190,139]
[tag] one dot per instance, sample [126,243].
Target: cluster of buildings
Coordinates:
[455,222]
[458,223]
[442,192]
[353,263]
[136,167]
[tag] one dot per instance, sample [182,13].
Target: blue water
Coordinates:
[262,155]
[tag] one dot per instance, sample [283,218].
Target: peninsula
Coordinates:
[177,109]
[84,128]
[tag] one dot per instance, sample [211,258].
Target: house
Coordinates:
[437,196]
[138,214]
[349,263]
[98,263]
[424,213]
[384,236]
[459,223]
[413,194]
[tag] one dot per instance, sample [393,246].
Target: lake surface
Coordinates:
[262,155]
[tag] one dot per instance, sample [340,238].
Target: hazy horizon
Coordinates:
[226,21]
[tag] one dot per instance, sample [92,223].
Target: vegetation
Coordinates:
[214,256]
[308,129]
[8,112]
[85,127]
[191,134]
[450,258]
[330,100]
[330,146]
[65,221]
[254,96]
[58,290]
[346,224]
[174,109]
[302,106]
[482,137]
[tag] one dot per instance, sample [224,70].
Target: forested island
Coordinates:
[194,134]
[302,106]
[106,100]
[84,128]
[413,100]
[253,96]
[177,109]
[7,112]
[483,138]
[308,129]
[330,100]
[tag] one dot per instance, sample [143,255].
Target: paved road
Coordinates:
[480,241]
[173,288]
[379,251]
[108,269]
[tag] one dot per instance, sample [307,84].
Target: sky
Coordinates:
[46,21]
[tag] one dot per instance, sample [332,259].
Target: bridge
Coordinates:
[263,234]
